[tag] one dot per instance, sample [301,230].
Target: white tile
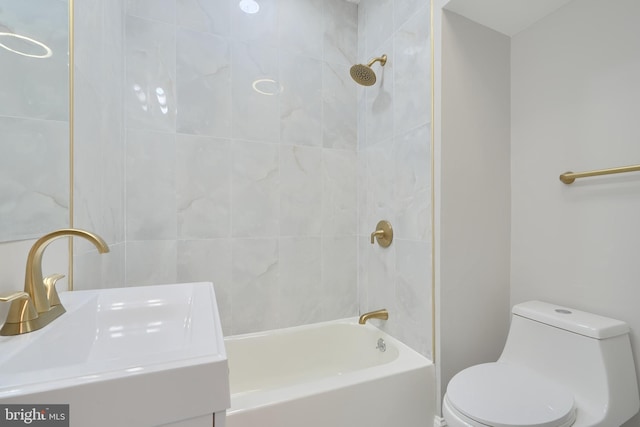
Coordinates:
[256,116]
[157,10]
[377,273]
[256,291]
[259,28]
[362,25]
[412,71]
[301,100]
[339,112]
[413,293]
[380,99]
[209,261]
[34,180]
[340,32]
[150,186]
[363,227]
[113,183]
[150,99]
[206,16]
[300,280]
[379,187]
[151,262]
[203,186]
[363,275]
[339,193]
[255,189]
[113,266]
[403,10]
[88,146]
[300,27]
[93,270]
[412,184]
[301,191]
[339,277]
[203,75]
[379,24]
[35,88]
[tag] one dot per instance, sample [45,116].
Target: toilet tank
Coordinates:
[588,354]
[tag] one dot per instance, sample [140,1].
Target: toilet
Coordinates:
[560,367]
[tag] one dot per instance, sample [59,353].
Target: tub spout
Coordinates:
[378,314]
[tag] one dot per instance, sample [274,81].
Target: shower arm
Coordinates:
[382,59]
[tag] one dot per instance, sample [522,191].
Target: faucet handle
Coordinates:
[50,286]
[21,309]
[13,296]
[383,234]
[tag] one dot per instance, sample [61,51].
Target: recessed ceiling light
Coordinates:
[249,6]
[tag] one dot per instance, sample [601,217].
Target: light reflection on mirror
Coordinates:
[142,97]
[24,50]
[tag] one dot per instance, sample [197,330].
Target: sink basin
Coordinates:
[142,356]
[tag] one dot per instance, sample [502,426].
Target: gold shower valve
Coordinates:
[383,234]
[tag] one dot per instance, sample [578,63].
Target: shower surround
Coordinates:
[235,144]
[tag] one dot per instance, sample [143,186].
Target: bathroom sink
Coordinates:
[140,356]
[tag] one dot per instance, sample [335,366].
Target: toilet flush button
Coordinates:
[563,311]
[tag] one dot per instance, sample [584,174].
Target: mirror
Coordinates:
[34,117]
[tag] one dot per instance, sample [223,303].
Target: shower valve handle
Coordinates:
[377,233]
[383,234]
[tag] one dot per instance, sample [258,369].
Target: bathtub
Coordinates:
[337,374]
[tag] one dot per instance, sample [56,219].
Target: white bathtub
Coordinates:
[328,374]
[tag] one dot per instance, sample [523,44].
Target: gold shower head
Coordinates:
[363,74]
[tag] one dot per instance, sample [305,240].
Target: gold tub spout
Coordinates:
[378,314]
[39,304]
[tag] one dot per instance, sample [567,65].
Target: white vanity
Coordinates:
[139,356]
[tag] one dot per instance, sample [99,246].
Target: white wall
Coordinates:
[575,92]
[474,210]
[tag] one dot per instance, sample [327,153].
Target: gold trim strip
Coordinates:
[433,191]
[71,137]
[569,177]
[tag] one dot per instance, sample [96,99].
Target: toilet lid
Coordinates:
[504,395]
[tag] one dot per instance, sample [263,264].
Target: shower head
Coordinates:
[363,74]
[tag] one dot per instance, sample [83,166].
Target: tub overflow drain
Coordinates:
[381,345]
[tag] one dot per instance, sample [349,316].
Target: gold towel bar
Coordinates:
[569,177]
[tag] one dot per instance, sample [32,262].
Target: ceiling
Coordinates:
[506,16]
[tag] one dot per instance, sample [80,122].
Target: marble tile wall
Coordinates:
[394,167]
[99,141]
[240,158]
[272,196]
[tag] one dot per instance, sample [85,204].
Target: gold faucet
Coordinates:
[378,314]
[39,304]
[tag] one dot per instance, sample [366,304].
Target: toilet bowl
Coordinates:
[503,394]
[560,367]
